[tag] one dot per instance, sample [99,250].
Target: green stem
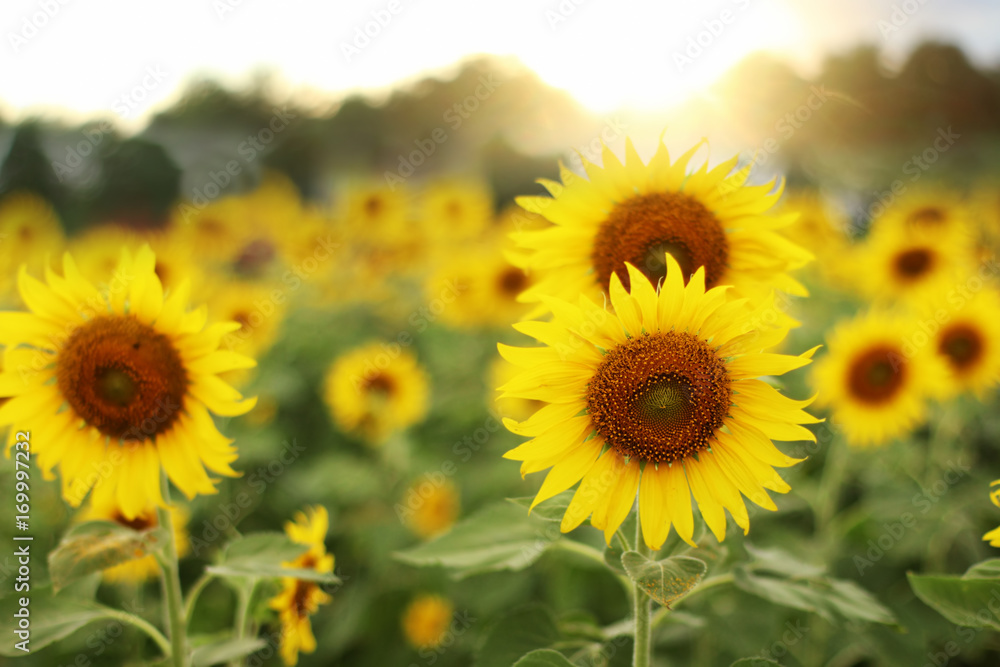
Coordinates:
[144,625]
[829,489]
[640,657]
[172,582]
[243,618]
[192,596]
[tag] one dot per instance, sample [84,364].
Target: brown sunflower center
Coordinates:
[877,375]
[659,397]
[512,281]
[380,384]
[373,206]
[300,599]
[254,258]
[641,230]
[914,263]
[140,523]
[962,345]
[122,377]
[928,215]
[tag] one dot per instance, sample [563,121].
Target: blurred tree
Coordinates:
[28,168]
[138,185]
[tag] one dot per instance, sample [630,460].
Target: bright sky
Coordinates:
[79,58]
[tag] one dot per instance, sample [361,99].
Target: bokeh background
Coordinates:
[335,175]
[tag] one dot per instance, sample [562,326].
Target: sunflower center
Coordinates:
[641,230]
[254,257]
[659,397]
[877,375]
[512,281]
[300,599]
[140,523]
[962,345]
[122,377]
[380,384]
[373,206]
[912,264]
[928,215]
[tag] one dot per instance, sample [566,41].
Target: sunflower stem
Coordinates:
[640,656]
[834,472]
[172,597]
[192,596]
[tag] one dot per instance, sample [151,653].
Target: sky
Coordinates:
[128,58]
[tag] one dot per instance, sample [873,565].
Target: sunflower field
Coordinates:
[376,385]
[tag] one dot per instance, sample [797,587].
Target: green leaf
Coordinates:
[225,651]
[262,555]
[52,617]
[95,546]
[969,600]
[526,629]
[830,598]
[498,537]
[755,662]
[544,658]
[782,563]
[552,509]
[988,569]
[667,580]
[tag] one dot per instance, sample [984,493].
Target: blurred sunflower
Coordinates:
[29,230]
[119,385]
[455,210]
[376,213]
[821,228]
[478,289]
[426,621]
[969,343]
[636,213]
[252,305]
[300,598]
[877,377]
[433,509]
[373,393]
[144,566]
[659,397]
[910,267]
[933,211]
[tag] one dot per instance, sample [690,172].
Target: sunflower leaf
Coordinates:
[755,662]
[262,555]
[667,580]
[830,598]
[50,617]
[498,537]
[226,650]
[545,657]
[97,545]
[552,509]
[522,631]
[971,600]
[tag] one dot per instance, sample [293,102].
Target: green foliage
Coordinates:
[97,545]
[667,580]
[971,600]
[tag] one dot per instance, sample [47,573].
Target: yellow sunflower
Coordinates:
[660,397]
[119,385]
[300,598]
[500,373]
[910,267]
[823,229]
[29,230]
[426,621]
[877,376]
[144,566]
[934,211]
[455,210]
[967,339]
[430,507]
[478,289]
[636,213]
[375,213]
[376,390]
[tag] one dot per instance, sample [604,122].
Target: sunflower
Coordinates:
[118,385]
[823,229]
[431,507]
[877,376]
[659,397]
[967,339]
[500,373]
[993,537]
[144,566]
[910,267]
[376,214]
[376,390]
[636,213]
[478,289]
[426,621]
[29,230]
[455,210]
[299,598]
[934,210]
